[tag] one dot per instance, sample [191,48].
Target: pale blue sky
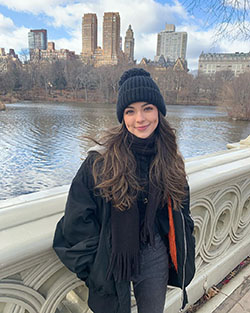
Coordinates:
[62,19]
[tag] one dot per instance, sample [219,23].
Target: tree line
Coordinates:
[72,80]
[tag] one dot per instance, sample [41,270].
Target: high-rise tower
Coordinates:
[89,33]
[38,39]
[171,44]
[111,35]
[129,44]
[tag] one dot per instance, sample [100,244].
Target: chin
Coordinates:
[143,136]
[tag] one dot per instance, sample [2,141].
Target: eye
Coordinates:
[148,108]
[129,111]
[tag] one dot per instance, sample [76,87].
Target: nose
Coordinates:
[140,116]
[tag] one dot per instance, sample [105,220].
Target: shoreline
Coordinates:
[68,98]
[9,100]
[94,97]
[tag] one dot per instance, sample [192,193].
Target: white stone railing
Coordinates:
[33,280]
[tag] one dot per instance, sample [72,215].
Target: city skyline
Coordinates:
[63,19]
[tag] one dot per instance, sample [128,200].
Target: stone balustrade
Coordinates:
[33,280]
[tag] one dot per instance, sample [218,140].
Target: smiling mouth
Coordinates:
[142,127]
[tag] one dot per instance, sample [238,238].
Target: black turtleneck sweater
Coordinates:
[144,151]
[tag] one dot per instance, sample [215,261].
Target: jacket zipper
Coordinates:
[185,251]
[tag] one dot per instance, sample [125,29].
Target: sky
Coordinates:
[63,18]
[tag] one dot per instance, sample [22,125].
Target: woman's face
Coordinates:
[141,119]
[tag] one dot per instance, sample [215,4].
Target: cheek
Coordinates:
[156,119]
[126,121]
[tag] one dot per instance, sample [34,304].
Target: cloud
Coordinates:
[17,39]
[235,46]
[12,36]
[74,43]
[69,16]
[146,46]
[6,24]
[31,6]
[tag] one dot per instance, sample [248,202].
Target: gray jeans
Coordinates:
[150,286]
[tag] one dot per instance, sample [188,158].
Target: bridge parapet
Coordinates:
[33,280]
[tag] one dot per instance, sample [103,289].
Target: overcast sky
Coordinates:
[63,18]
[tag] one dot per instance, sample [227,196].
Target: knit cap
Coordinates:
[136,85]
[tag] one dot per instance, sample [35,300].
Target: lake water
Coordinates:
[42,144]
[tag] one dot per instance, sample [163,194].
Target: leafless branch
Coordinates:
[229,17]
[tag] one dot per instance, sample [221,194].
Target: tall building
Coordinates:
[129,44]
[89,34]
[171,44]
[210,63]
[6,57]
[111,36]
[37,39]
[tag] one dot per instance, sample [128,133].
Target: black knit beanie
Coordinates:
[136,85]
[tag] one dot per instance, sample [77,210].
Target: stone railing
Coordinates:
[33,280]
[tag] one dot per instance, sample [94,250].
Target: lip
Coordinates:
[141,128]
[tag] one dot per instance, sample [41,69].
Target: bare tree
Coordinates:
[174,85]
[24,56]
[108,78]
[231,17]
[86,79]
[237,97]
[10,80]
[72,72]
[33,70]
[57,78]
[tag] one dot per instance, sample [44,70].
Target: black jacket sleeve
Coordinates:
[185,244]
[186,209]
[77,233]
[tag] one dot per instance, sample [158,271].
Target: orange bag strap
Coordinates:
[171,235]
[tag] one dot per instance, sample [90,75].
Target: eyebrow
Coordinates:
[131,106]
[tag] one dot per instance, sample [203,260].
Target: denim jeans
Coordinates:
[150,286]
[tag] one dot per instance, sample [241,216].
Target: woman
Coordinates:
[127,216]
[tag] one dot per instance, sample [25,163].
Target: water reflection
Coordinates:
[42,145]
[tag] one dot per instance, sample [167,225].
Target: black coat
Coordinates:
[82,241]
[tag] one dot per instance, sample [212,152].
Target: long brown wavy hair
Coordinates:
[114,170]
